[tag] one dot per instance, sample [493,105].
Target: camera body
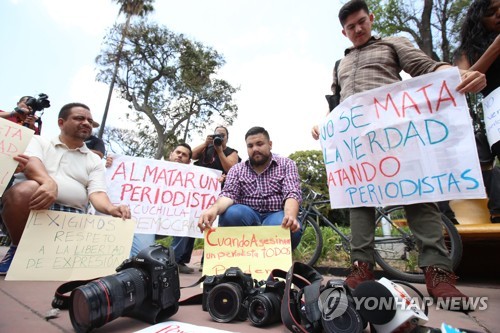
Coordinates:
[338,310]
[224,295]
[159,263]
[264,305]
[217,139]
[38,104]
[145,287]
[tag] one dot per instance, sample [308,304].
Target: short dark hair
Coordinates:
[24,98]
[185,145]
[352,7]
[257,130]
[66,109]
[220,126]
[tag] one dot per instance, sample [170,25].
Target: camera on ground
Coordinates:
[224,295]
[264,306]
[145,287]
[338,311]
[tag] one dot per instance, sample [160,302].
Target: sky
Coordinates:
[279,52]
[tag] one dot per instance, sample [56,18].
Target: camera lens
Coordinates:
[105,299]
[264,309]
[217,141]
[225,302]
[349,322]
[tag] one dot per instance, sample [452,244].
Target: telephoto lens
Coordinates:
[145,287]
[108,298]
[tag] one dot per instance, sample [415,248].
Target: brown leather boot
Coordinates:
[360,271]
[441,286]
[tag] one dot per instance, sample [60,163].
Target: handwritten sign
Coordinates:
[403,143]
[179,327]
[14,139]
[255,250]
[165,198]
[491,109]
[60,246]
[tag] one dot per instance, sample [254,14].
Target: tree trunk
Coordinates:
[425,29]
[113,78]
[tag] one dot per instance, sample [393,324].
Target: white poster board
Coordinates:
[403,143]
[14,139]
[165,198]
[491,109]
[60,246]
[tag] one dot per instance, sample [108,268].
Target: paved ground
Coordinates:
[24,304]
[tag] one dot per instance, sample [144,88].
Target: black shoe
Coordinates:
[495,219]
[185,269]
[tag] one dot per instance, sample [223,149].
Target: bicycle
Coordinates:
[395,246]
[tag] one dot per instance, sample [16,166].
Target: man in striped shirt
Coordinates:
[263,190]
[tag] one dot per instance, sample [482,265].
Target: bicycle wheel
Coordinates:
[311,244]
[396,250]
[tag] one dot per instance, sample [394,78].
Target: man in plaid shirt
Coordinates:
[263,190]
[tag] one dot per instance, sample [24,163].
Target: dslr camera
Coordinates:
[145,287]
[338,311]
[218,138]
[264,305]
[224,295]
[38,104]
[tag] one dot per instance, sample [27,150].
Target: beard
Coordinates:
[262,161]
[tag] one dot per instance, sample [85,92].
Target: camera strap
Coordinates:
[61,300]
[195,299]
[301,315]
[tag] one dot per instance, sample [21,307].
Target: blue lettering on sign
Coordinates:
[444,183]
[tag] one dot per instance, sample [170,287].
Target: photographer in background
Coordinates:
[24,115]
[214,152]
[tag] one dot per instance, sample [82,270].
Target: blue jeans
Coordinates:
[141,241]
[241,215]
[183,247]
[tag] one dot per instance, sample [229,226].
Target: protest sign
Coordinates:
[165,198]
[14,139]
[403,143]
[255,250]
[60,246]
[179,327]
[491,109]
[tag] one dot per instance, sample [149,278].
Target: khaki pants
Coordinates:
[424,221]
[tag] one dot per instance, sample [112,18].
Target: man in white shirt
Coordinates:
[61,174]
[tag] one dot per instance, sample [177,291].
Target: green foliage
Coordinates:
[167,241]
[333,253]
[135,7]
[432,24]
[311,169]
[170,83]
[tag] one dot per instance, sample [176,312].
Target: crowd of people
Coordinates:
[264,189]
